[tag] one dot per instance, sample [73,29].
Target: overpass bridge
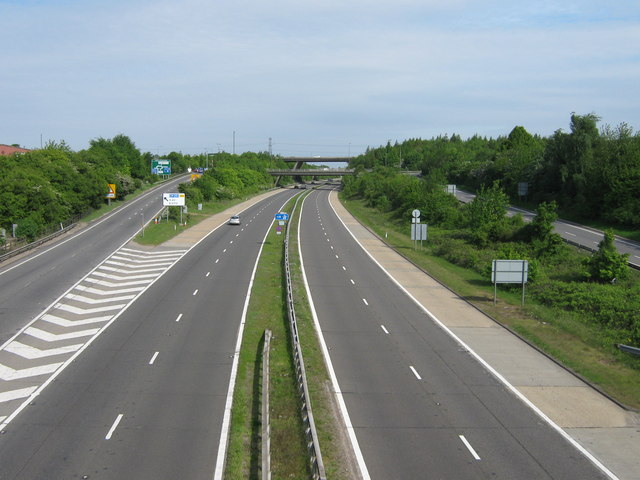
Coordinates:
[297,171]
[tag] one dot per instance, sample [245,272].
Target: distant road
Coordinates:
[585,237]
[28,285]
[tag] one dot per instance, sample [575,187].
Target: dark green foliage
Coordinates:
[487,216]
[607,265]
[231,176]
[540,232]
[607,305]
[43,188]
[589,173]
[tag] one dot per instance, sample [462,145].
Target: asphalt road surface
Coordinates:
[419,404]
[145,397]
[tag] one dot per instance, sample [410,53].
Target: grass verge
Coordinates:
[267,310]
[157,233]
[574,343]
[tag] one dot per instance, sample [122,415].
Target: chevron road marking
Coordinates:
[81,311]
[33,353]
[121,284]
[95,291]
[156,255]
[2,419]
[63,322]
[8,373]
[116,277]
[126,272]
[158,266]
[159,252]
[52,337]
[131,260]
[16,394]
[94,301]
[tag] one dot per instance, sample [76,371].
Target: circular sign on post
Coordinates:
[415,213]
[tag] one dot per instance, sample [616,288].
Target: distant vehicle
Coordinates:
[234,220]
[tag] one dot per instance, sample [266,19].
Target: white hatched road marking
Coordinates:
[95,301]
[157,261]
[8,373]
[63,322]
[33,353]
[97,291]
[53,337]
[81,311]
[16,394]
[104,283]
[119,270]
[145,268]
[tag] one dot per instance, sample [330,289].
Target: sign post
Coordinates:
[509,271]
[111,193]
[161,166]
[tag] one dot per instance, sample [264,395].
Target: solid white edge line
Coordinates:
[218,473]
[153,359]
[114,426]
[325,352]
[493,371]
[415,372]
[469,447]
[37,392]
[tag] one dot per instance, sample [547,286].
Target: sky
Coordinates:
[317,77]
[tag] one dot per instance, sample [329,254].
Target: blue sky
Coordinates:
[320,77]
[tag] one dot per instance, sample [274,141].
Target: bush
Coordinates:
[607,265]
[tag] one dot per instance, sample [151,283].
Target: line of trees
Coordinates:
[43,188]
[591,173]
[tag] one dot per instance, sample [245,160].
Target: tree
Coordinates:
[487,213]
[540,231]
[607,265]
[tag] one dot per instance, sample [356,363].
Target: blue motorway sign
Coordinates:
[282,216]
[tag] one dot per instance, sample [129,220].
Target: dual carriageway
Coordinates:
[117,359]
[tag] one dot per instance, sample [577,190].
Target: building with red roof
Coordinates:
[9,150]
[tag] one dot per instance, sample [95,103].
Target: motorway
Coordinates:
[126,372]
[117,359]
[573,233]
[419,404]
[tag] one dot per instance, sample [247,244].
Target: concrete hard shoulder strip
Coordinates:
[377,247]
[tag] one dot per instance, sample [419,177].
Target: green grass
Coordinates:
[157,233]
[267,310]
[581,346]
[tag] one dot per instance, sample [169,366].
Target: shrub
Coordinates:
[607,265]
